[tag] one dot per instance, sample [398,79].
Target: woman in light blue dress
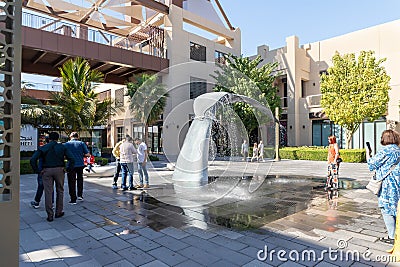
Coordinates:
[389,194]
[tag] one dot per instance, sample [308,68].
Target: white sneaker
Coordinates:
[80,198]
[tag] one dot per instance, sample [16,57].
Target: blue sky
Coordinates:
[270,22]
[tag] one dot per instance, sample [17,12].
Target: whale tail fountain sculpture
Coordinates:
[192,163]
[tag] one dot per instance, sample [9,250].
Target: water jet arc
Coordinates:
[192,162]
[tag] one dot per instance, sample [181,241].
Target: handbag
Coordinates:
[374,185]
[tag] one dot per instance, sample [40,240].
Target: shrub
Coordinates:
[101,161]
[320,154]
[25,167]
[106,150]
[26,154]
[153,158]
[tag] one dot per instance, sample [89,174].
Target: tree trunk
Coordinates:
[91,140]
[349,137]
[146,133]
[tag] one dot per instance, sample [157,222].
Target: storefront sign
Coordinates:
[28,138]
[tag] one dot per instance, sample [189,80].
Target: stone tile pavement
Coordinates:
[116,228]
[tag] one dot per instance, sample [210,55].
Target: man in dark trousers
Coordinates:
[116,153]
[79,150]
[52,155]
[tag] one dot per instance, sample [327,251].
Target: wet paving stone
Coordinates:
[290,213]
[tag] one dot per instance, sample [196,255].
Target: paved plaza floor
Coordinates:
[282,219]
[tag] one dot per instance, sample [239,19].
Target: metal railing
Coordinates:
[44,86]
[83,32]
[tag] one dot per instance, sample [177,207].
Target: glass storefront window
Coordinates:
[380,127]
[321,130]
[120,133]
[316,134]
[367,132]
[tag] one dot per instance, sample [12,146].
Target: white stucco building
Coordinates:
[301,67]
[196,37]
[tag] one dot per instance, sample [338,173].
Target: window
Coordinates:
[303,88]
[119,97]
[120,133]
[104,95]
[321,129]
[137,132]
[197,52]
[220,57]
[197,87]
[369,132]
[285,93]
[323,72]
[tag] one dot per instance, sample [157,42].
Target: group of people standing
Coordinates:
[48,163]
[258,151]
[125,153]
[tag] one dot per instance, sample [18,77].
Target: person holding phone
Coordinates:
[332,180]
[382,163]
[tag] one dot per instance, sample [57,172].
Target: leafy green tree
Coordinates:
[147,97]
[242,75]
[355,90]
[76,107]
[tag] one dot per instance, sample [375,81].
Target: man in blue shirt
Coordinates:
[52,156]
[75,173]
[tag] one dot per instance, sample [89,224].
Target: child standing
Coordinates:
[89,162]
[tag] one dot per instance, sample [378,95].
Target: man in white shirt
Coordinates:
[142,159]
[127,150]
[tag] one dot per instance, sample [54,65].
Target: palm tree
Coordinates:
[78,99]
[147,98]
[76,106]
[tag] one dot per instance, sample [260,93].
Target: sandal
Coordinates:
[386,240]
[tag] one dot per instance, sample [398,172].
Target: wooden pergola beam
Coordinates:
[94,7]
[38,57]
[154,5]
[224,15]
[98,66]
[131,71]
[113,69]
[59,61]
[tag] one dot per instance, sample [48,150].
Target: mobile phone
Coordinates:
[369,147]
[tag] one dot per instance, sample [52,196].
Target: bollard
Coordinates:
[277,134]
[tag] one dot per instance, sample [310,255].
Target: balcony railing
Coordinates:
[93,35]
[314,101]
[44,86]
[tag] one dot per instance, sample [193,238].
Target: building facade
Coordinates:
[181,41]
[300,67]
[197,40]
